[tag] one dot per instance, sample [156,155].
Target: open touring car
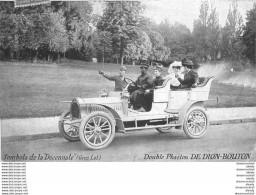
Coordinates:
[95,121]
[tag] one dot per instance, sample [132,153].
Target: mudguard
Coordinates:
[184,109]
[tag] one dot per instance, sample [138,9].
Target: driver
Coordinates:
[120,82]
[143,83]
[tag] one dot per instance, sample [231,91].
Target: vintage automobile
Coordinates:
[95,121]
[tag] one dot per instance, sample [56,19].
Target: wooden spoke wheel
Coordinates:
[97,130]
[68,130]
[196,122]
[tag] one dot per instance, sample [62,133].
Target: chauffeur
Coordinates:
[190,76]
[143,83]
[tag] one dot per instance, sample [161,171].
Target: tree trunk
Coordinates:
[103,58]
[11,55]
[133,62]
[122,60]
[122,51]
[58,57]
[255,51]
[64,55]
[36,57]
[18,55]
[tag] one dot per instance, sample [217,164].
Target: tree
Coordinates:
[37,34]
[180,42]
[79,33]
[159,50]
[58,35]
[139,47]
[177,41]
[8,32]
[121,19]
[249,35]
[232,46]
[206,32]
[104,44]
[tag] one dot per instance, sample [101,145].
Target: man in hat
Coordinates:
[157,81]
[143,83]
[190,76]
[120,82]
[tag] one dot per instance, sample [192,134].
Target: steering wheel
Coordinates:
[129,81]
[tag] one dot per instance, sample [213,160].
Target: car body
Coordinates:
[95,121]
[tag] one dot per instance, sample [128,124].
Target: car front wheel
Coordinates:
[97,130]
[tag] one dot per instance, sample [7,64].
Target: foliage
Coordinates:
[38,28]
[249,35]
[104,45]
[122,34]
[139,46]
[121,19]
[232,46]
[178,41]
[58,34]
[159,50]
[206,32]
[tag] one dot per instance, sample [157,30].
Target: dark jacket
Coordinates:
[158,81]
[190,79]
[144,82]
[120,83]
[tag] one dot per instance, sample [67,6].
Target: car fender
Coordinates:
[118,120]
[184,109]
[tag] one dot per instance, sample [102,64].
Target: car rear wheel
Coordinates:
[196,122]
[97,130]
[68,130]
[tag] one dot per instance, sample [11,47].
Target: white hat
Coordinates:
[176,64]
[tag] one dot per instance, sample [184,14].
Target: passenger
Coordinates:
[143,83]
[120,83]
[175,68]
[157,81]
[190,76]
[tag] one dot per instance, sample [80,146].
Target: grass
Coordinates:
[36,90]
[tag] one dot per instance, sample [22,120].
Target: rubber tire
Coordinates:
[185,129]
[62,131]
[164,129]
[86,119]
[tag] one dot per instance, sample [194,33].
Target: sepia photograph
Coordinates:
[128,81]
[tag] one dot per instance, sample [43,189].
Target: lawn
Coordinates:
[36,90]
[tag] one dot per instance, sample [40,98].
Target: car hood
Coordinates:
[100,100]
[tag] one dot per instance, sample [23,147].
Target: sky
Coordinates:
[186,11]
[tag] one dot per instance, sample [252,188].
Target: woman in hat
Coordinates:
[120,83]
[175,68]
[143,83]
[190,76]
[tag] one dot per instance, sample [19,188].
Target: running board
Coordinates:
[150,127]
